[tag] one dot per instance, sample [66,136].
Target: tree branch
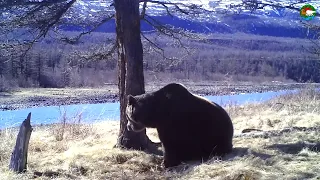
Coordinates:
[29,21]
[255,4]
[75,40]
[11,3]
[95,54]
[192,8]
[143,12]
[157,48]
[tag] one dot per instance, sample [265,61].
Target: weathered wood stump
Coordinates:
[18,162]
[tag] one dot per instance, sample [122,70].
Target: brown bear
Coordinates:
[190,127]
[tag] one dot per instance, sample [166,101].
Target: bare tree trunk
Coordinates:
[131,79]
[18,162]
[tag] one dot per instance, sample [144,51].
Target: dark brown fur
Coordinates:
[189,127]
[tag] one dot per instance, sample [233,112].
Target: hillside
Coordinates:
[221,57]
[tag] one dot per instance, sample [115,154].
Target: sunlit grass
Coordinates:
[86,151]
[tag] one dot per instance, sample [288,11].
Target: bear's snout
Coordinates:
[136,127]
[129,128]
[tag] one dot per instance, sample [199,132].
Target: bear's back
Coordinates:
[190,126]
[193,113]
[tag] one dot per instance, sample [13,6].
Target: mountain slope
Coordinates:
[269,21]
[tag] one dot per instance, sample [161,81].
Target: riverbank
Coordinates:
[37,97]
[287,149]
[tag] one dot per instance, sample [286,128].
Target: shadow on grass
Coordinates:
[306,175]
[52,174]
[295,148]
[240,152]
[5,95]
[236,153]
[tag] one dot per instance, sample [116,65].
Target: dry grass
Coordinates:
[86,151]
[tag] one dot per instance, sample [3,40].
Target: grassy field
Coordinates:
[281,151]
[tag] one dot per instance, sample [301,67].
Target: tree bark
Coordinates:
[130,62]
[18,162]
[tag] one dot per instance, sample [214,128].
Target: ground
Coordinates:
[35,97]
[282,151]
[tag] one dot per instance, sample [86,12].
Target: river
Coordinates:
[90,113]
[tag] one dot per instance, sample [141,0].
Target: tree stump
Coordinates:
[18,162]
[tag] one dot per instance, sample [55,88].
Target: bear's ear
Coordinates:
[131,100]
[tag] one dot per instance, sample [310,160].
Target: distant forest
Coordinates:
[233,57]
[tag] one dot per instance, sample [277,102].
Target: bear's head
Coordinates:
[140,112]
[151,109]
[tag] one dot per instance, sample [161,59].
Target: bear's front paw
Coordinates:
[168,164]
